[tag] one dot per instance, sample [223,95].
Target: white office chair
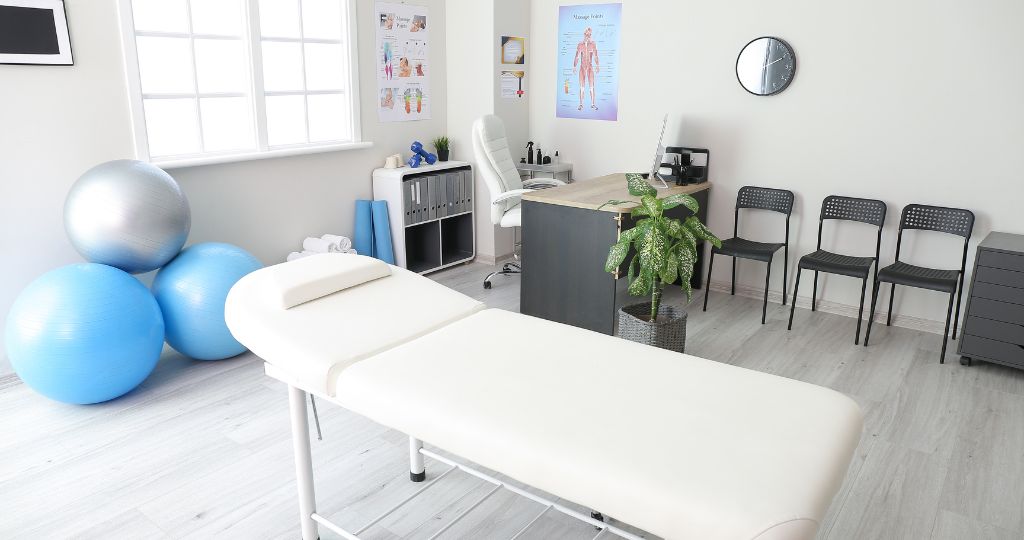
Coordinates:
[496,167]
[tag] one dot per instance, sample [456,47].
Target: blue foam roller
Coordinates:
[382,233]
[364,229]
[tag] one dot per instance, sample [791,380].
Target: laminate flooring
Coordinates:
[203,450]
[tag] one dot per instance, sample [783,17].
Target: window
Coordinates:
[220,80]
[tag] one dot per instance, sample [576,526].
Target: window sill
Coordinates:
[177,163]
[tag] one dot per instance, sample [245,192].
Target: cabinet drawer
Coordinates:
[998,330]
[1001,293]
[1005,261]
[999,311]
[987,274]
[990,348]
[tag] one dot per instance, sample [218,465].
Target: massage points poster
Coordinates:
[403,73]
[588,61]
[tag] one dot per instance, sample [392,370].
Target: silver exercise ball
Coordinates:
[127,214]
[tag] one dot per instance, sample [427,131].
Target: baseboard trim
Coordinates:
[835,308]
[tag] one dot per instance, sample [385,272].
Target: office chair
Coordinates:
[760,198]
[927,218]
[498,170]
[868,211]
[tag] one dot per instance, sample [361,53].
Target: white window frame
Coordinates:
[251,39]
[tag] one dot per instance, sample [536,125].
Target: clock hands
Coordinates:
[772,62]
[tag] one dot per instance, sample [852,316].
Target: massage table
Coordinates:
[679,446]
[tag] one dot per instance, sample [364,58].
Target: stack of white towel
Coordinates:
[328,243]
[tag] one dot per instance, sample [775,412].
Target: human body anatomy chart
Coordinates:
[588,61]
[403,74]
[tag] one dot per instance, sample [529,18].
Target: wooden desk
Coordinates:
[566,238]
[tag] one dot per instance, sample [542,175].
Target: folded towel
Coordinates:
[317,245]
[336,243]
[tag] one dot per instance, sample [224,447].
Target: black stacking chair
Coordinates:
[868,211]
[761,198]
[928,218]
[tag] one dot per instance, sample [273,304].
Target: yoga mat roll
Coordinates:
[382,233]
[364,229]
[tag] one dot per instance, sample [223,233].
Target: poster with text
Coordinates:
[588,61]
[403,74]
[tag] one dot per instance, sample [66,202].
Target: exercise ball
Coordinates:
[84,333]
[127,214]
[191,291]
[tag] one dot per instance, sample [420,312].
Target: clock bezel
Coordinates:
[781,88]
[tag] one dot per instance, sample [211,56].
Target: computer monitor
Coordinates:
[658,152]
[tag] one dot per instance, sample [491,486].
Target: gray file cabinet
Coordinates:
[994,327]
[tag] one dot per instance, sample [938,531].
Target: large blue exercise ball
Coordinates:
[191,291]
[127,214]
[84,333]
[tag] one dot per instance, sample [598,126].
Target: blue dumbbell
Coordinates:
[417,148]
[414,161]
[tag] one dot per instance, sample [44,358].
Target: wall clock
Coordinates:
[765,66]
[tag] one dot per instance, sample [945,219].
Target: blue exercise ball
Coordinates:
[191,291]
[84,333]
[128,214]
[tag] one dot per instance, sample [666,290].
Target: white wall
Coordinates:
[471,94]
[59,121]
[906,102]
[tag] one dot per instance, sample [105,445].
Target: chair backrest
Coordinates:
[762,198]
[494,163]
[956,221]
[870,211]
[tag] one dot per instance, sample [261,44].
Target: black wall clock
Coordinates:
[766,66]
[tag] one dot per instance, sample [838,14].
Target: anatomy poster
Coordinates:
[403,74]
[588,61]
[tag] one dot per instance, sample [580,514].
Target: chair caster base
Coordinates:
[487,284]
[418,476]
[965,361]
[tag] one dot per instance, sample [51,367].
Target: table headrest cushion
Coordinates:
[306,279]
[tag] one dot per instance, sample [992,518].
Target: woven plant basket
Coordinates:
[668,332]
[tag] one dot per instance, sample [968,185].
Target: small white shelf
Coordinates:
[425,241]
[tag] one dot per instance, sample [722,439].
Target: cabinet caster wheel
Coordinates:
[487,284]
[596,515]
[965,361]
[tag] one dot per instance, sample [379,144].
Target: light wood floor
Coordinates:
[202,449]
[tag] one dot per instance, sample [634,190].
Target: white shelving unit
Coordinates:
[430,209]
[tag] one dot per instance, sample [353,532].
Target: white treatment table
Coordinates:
[684,448]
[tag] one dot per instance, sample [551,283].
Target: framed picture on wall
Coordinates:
[34,32]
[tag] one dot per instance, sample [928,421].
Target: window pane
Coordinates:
[325,67]
[282,66]
[227,124]
[160,15]
[220,65]
[165,65]
[321,19]
[171,125]
[328,118]
[279,18]
[286,120]
[222,17]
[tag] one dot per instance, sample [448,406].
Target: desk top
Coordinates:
[591,194]
[550,167]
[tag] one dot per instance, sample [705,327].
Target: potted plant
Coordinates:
[665,252]
[441,145]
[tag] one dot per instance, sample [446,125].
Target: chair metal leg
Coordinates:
[707,286]
[796,291]
[956,314]
[945,333]
[871,318]
[814,293]
[892,296]
[733,291]
[767,280]
[785,276]
[860,312]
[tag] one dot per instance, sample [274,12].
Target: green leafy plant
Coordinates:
[666,247]
[441,143]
